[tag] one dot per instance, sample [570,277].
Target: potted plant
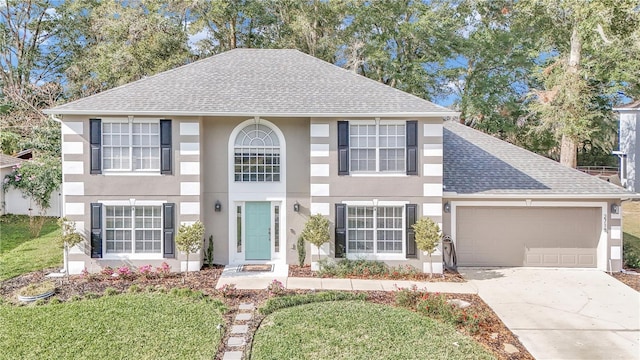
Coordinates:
[316,232]
[427,234]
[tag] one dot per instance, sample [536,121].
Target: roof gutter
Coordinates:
[454,195]
[246,114]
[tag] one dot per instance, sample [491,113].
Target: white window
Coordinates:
[257,155]
[375,230]
[133,229]
[131,145]
[377,146]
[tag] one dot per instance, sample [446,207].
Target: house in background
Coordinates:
[252,142]
[13,201]
[629,152]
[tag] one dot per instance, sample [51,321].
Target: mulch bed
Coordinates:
[631,280]
[449,276]
[493,335]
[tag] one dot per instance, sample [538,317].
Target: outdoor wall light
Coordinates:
[615,208]
[447,207]
[218,206]
[296,207]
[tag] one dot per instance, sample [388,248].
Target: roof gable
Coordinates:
[478,163]
[258,82]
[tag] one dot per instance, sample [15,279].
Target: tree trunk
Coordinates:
[569,147]
[568,152]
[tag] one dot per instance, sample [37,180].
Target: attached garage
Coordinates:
[527,236]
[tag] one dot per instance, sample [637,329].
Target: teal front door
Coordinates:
[257,225]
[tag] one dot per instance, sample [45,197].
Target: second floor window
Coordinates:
[257,155]
[131,145]
[377,146]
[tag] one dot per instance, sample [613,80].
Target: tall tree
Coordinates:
[125,41]
[575,38]
[401,43]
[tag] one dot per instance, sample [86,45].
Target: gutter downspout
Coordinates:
[65,260]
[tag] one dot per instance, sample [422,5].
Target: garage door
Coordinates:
[518,236]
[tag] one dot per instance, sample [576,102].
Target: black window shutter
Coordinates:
[96,230]
[95,142]
[412,147]
[341,230]
[165,147]
[343,148]
[169,229]
[412,210]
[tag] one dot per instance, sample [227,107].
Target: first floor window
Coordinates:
[375,230]
[133,229]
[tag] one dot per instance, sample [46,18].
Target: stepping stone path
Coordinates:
[239,332]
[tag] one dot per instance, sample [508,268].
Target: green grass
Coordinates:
[631,228]
[141,326]
[20,254]
[359,330]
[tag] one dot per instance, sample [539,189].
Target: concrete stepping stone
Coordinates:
[232,355]
[249,306]
[244,316]
[239,329]
[236,341]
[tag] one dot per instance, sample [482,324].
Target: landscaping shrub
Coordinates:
[436,306]
[55,301]
[133,289]
[228,290]
[367,269]
[302,252]
[408,297]
[276,288]
[90,296]
[187,293]
[276,303]
[631,259]
[110,291]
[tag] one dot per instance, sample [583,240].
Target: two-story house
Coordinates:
[251,142]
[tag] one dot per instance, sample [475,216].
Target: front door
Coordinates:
[257,224]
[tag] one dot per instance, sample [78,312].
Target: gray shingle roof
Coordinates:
[256,82]
[477,163]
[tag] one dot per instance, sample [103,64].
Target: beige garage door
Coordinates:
[518,236]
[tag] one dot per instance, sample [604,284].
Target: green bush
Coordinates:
[302,252]
[631,259]
[134,289]
[55,301]
[436,306]
[276,303]
[110,291]
[408,297]
[346,268]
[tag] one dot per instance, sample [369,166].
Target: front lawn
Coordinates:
[359,330]
[631,236]
[20,254]
[141,326]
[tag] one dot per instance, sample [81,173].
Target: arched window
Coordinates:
[257,154]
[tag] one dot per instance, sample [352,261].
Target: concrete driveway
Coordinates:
[563,313]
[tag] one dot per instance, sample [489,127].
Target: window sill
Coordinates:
[379,175]
[132,173]
[132,257]
[381,257]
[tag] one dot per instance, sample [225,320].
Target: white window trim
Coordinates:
[377,173]
[274,150]
[130,171]
[375,255]
[132,255]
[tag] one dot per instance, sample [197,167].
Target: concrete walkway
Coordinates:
[260,280]
[563,313]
